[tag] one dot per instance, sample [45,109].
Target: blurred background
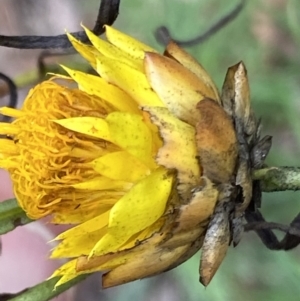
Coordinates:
[266,36]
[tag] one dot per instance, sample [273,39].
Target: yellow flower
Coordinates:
[119,157]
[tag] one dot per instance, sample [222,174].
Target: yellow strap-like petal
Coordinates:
[95,85]
[179,149]
[133,82]
[121,166]
[78,245]
[127,44]
[92,126]
[114,52]
[142,206]
[7,111]
[67,271]
[87,51]
[82,213]
[67,268]
[131,133]
[94,224]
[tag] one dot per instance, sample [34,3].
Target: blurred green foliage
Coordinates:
[266,37]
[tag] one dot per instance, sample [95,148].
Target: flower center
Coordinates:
[46,160]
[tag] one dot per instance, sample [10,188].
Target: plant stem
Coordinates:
[278,178]
[45,290]
[11,216]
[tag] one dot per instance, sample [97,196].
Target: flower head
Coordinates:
[119,157]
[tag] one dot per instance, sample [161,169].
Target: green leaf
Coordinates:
[11,216]
[45,290]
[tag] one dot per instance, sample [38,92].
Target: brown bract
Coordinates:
[217,147]
[228,141]
[175,52]
[215,245]
[216,142]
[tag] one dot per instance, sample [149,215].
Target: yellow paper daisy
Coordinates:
[118,157]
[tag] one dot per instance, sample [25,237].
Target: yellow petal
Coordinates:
[121,166]
[92,126]
[139,208]
[95,85]
[179,149]
[67,267]
[123,76]
[114,52]
[131,133]
[81,214]
[78,245]
[178,88]
[86,51]
[7,111]
[83,229]
[67,271]
[127,44]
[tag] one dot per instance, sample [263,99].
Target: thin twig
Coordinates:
[163,35]
[13,94]
[271,226]
[264,230]
[108,12]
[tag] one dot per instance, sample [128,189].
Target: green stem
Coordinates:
[11,216]
[45,290]
[278,178]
